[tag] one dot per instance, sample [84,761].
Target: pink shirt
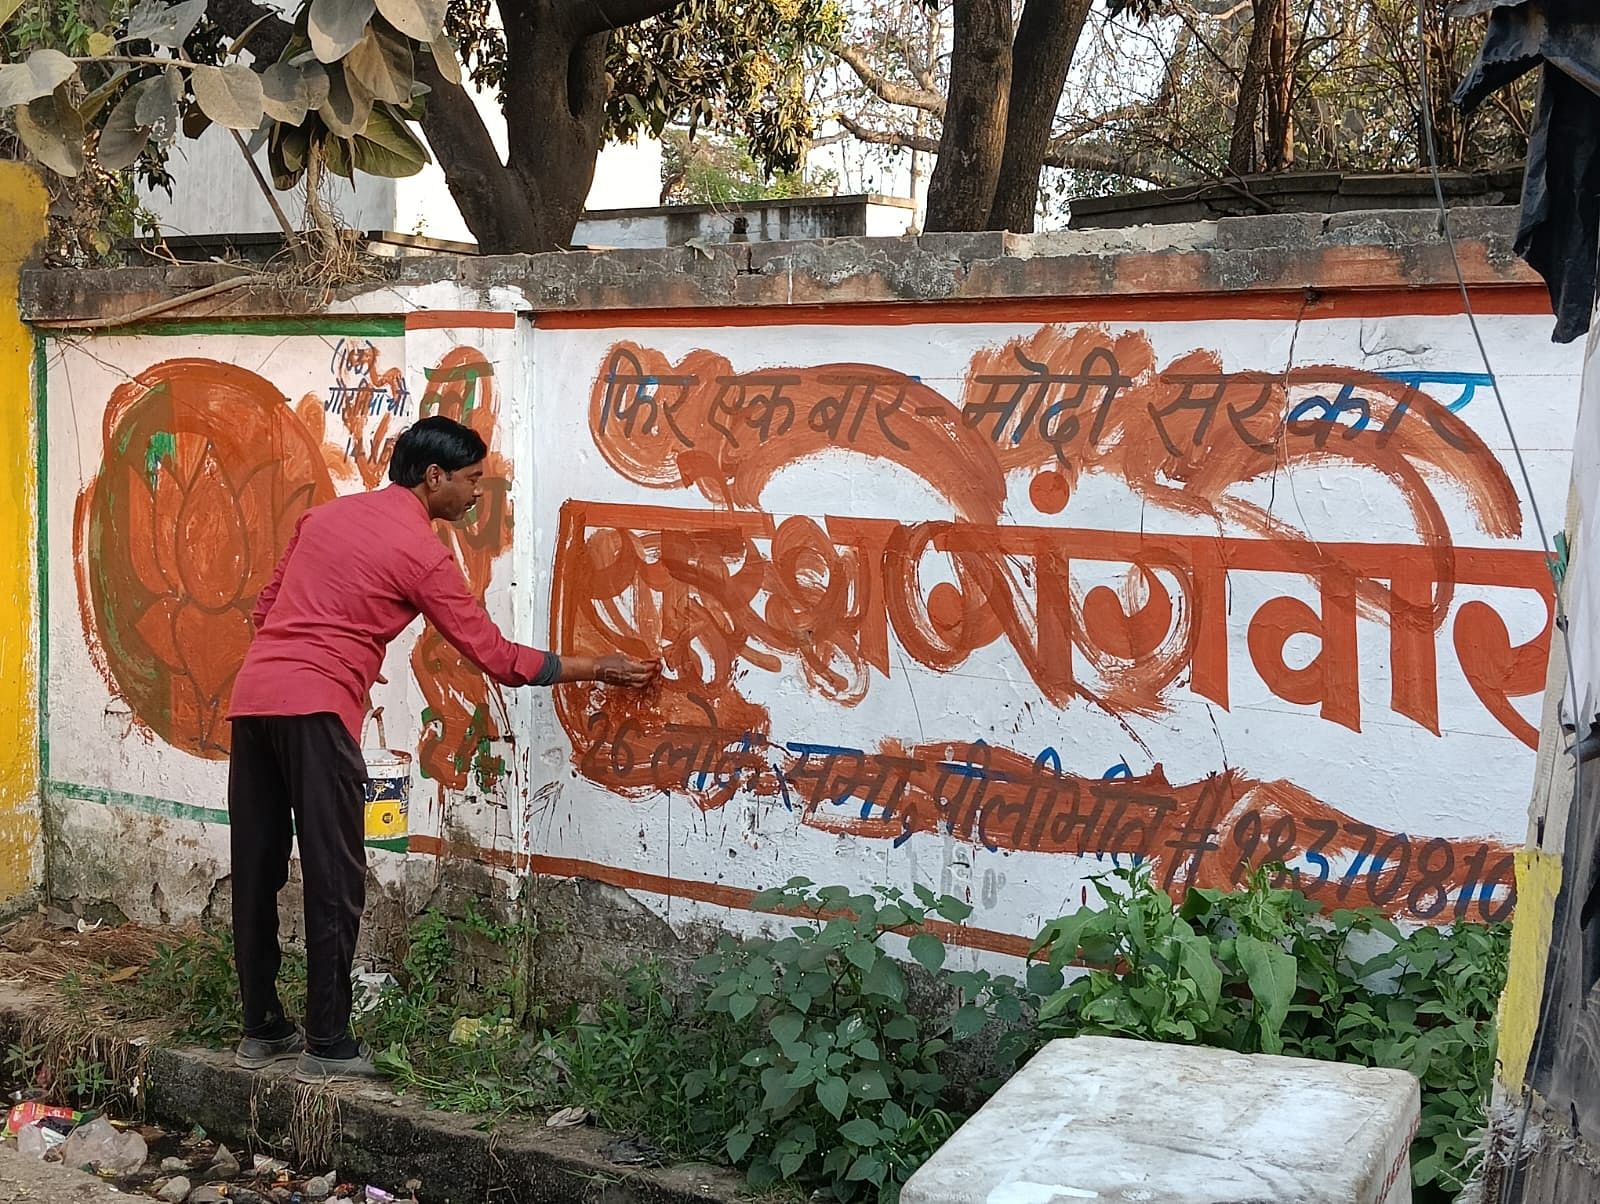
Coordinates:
[358,571]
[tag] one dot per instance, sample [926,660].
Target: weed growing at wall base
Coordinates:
[804,1058]
[818,1058]
[1263,971]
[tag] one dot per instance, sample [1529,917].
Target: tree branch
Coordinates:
[489,195]
[1064,153]
[886,89]
[590,17]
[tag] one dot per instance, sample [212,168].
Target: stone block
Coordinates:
[1095,1118]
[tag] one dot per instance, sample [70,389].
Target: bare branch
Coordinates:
[886,89]
[1064,153]
[900,138]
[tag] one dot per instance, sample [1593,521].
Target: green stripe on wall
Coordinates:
[106,797]
[41,587]
[168,809]
[353,326]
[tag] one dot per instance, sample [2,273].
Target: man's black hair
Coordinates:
[437,440]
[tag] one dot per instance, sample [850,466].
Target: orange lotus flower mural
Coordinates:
[465,715]
[205,471]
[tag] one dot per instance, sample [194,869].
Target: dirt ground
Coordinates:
[27,1181]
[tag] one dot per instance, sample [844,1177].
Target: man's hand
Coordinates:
[618,670]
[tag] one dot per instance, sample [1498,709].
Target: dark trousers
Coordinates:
[288,775]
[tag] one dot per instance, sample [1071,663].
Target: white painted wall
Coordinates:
[129,804]
[1467,784]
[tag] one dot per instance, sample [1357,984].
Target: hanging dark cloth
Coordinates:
[1559,234]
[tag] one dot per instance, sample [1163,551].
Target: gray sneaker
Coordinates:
[254,1053]
[313,1068]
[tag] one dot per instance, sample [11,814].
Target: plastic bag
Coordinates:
[35,1141]
[99,1145]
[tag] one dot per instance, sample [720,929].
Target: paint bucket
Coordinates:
[388,792]
[388,787]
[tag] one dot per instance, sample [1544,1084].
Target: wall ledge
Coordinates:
[1361,251]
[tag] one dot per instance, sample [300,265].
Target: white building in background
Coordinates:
[214,191]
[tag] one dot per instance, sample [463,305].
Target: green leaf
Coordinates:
[422,20]
[833,1094]
[1195,956]
[52,130]
[869,1084]
[740,1006]
[861,1131]
[862,954]
[289,93]
[1044,979]
[123,139]
[866,1050]
[348,107]
[901,1028]
[1271,975]
[885,981]
[382,64]
[866,1167]
[231,96]
[894,1116]
[160,104]
[968,1020]
[953,910]
[162,24]
[337,26]
[739,1143]
[928,950]
[786,1027]
[41,74]
[1062,937]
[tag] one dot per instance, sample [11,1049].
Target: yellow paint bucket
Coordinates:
[388,792]
[388,787]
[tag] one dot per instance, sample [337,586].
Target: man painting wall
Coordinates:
[357,572]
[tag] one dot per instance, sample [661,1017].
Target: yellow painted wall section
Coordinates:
[22,224]
[1538,882]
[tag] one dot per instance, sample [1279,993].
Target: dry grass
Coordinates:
[314,1125]
[78,1025]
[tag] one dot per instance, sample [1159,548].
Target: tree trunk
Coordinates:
[1252,85]
[1047,38]
[1279,89]
[962,189]
[555,90]
[555,94]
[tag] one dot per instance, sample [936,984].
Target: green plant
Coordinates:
[87,1083]
[842,1084]
[192,982]
[1264,971]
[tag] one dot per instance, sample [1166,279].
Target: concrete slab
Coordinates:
[1095,1118]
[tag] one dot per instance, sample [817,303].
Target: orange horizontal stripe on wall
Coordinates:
[460,319]
[740,898]
[1279,305]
